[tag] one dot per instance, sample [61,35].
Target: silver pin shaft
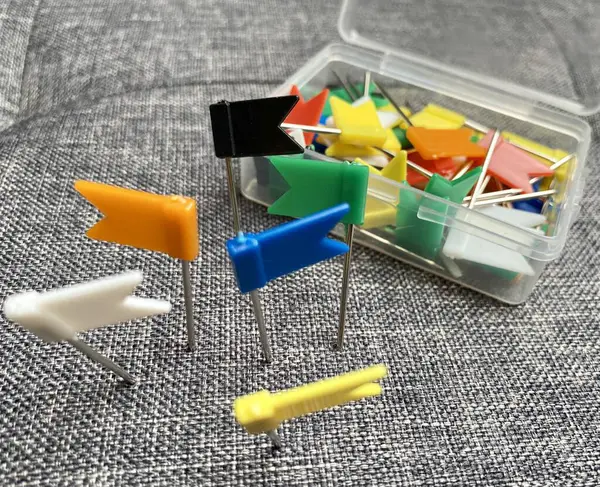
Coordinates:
[89,352]
[488,158]
[393,102]
[275,438]
[515,191]
[463,170]
[367,83]
[262,329]
[518,197]
[189,304]
[347,88]
[312,128]
[345,285]
[232,195]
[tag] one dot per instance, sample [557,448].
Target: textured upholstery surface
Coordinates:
[478,393]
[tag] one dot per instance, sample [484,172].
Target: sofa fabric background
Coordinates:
[479,393]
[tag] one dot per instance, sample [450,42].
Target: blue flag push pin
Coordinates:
[262,257]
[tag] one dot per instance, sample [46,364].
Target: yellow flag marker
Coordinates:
[359,125]
[437,117]
[380,213]
[340,150]
[348,151]
[395,169]
[167,224]
[263,411]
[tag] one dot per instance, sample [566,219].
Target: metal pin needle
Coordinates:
[345,284]
[232,195]
[101,359]
[275,438]
[262,329]
[189,304]
[488,158]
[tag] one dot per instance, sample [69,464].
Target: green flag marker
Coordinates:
[424,237]
[416,235]
[400,134]
[318,185]
[455,190]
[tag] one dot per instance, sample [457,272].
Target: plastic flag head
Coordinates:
[437,117]
[347,152]
[252,127]
[167,224]
[446,167]
[513,166]
[62,313]
[359,124]
[317,185]
[549,154]
[341,93]
[419,236]
[260,258]
[307,112]
[396,169]
[455,190]
[462,245]
[264,411]
[435,144]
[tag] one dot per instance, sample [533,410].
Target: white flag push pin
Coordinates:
[462,245]
[61,313]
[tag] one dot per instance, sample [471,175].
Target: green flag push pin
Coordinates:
[424,237]
[414,234]
[317,185]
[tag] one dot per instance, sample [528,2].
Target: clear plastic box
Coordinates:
[493,96]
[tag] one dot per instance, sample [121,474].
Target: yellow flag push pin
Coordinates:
[263,411]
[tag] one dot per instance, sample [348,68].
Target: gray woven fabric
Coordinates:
[478,393]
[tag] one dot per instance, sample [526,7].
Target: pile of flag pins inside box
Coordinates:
[432,156]
[435,150]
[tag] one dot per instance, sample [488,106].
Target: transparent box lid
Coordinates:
[545,50]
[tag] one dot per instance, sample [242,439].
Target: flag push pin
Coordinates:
[60,314]
[260,258]
[263,411]
[514,194]
[508,165]
[463,246]
[307,112]
[437,117]
[167,224]
[346,113]
[316,185]
[480,186]
[250,128]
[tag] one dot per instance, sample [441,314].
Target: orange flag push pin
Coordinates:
[434,144]
[167,224]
